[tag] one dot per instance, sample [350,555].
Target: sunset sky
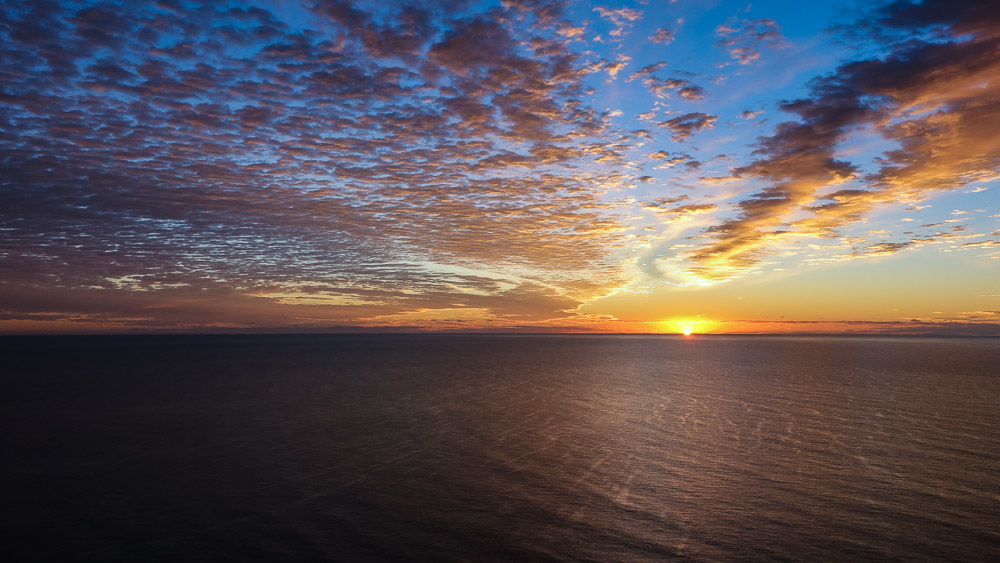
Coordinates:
[511,165]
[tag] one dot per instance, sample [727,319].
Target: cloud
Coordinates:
[743,39]
[376,164]
[665,87]
[155,149]
[665,207]
[666,202]
[614,68]
[883,248]
[666,35]
[695,208]
[545,11]
[570,32]
[686,125]
[926,326]
[646,71]
[621,18]
[938,99]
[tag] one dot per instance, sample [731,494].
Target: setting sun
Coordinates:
[687,327]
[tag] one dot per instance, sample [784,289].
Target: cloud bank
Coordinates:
[183,165]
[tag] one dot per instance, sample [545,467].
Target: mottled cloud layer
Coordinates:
[175,164]
[390,160]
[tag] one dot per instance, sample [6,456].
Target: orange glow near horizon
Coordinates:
[685,326]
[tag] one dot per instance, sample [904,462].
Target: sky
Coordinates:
[512,165]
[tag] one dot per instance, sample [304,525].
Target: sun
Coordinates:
[687,326]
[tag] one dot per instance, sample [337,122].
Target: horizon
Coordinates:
[500,167]
[396,331]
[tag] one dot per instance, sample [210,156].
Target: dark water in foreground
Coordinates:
[500,448]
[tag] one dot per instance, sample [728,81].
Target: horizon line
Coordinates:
[251,332]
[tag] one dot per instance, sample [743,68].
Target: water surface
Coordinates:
[461,448]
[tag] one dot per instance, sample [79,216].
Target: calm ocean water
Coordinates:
[464,448]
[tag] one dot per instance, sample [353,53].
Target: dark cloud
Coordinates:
[928,327]
[666,87]
[666,160]
[477,46]
[962,17]
[683,126]
[669,207]
[646,71]
[544,11]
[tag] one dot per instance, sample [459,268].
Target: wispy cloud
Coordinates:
[683,126]
[932,97]
[666,87]
[622,20]
[666,35]
[743,39]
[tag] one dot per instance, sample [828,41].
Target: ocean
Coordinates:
[499,448]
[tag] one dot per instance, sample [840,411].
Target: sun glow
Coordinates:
[687,327]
